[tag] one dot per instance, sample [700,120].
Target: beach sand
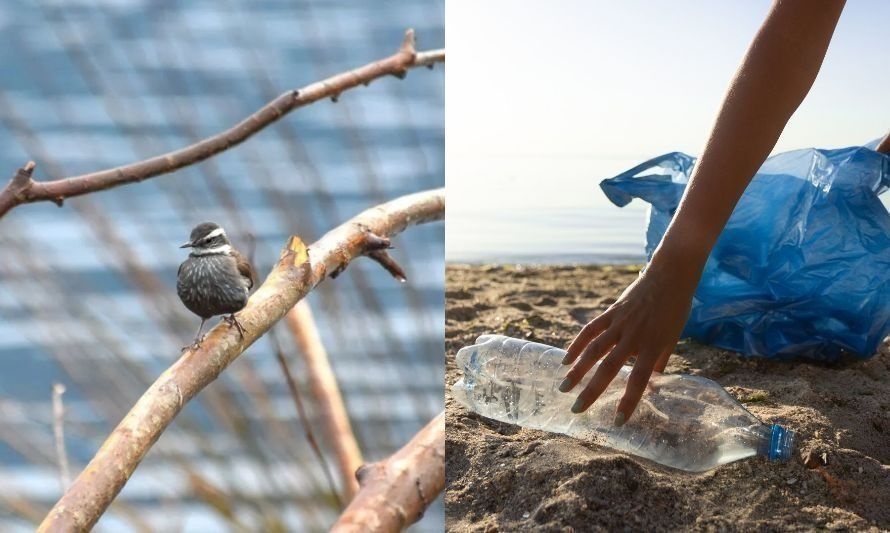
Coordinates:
[500,477]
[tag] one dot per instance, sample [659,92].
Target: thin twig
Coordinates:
[430,58]
[332,412]
[298,271]
[304,418]
[387,262]
[395,492]
[59,433]
[23,189]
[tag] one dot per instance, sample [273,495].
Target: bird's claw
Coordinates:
[193,346]
[232,320]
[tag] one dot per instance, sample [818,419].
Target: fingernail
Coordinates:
[567,359]
[577,406]
[619,419]
[565,386]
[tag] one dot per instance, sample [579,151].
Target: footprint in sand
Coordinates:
[583,315]
[461,313]
[458,295]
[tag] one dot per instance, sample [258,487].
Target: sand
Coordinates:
[500,477]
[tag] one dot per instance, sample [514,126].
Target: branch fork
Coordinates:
[395,492]
[18,190]
[22,181]
[375,247]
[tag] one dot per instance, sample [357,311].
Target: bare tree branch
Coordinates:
[430,58]
[386,261]
[334,420]
[23,189]
[59,434]
[395,492]
[301,410]
[297,272]
[16,191]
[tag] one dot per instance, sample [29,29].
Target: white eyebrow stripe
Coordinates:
[224,249]
[215,233]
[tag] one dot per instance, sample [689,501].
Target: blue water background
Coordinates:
[87,85]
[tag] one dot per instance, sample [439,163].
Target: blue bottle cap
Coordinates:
[781,443]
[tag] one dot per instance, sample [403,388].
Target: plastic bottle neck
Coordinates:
[776,442]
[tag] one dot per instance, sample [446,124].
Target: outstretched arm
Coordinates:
[884,145]
[775,75]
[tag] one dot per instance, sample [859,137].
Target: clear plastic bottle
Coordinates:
[682,421]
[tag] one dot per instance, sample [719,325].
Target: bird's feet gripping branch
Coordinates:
[232,320]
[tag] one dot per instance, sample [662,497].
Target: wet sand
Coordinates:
[500,477]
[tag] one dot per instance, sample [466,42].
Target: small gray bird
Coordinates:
[215,279]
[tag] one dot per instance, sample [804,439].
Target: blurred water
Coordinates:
[91,85]
[534,209]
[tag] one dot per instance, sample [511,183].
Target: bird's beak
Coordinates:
[187,245]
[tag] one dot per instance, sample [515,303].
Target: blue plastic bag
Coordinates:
[803,265]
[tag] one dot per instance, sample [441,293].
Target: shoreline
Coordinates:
[552,260]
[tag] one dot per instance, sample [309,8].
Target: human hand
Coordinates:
[645,321]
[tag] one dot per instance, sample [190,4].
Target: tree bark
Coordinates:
[333,418]
[395,492]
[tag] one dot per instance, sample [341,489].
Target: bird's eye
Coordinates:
[207,240]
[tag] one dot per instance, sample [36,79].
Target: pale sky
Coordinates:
[582,88]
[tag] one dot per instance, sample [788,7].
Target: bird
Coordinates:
[215,279]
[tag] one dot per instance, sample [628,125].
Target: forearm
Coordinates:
[777,72]
[884,145]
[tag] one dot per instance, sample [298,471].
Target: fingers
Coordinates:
[662,361]
[587,334]
[592,353]
[636,386]
[606,372]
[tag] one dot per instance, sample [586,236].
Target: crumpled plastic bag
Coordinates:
[802,268]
